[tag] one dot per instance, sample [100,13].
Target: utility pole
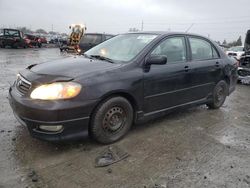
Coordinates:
[142,25]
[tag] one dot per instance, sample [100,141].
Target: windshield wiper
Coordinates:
[87,56]
[102,58]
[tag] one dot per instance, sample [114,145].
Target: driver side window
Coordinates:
[174,48]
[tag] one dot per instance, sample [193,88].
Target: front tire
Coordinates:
[111,120]
[219,95]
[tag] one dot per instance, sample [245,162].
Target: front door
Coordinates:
[165,85]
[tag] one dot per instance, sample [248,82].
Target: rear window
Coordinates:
[91,39]
[13,33]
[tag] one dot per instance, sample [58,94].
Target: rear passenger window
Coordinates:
[202,50]
[174,48]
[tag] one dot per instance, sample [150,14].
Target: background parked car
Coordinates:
[244,65]
[12,38]
[236,52]
[33,41]
[89,40]
[43,40]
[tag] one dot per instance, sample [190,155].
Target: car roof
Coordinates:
[98,34]
[10,29]
[166,33]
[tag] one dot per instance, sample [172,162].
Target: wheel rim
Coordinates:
[114,120]
[220,94]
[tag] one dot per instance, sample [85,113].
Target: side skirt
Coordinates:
[147,116]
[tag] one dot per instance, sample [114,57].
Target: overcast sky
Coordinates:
[219,19]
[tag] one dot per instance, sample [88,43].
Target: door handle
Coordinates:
[217,64]
[186,68]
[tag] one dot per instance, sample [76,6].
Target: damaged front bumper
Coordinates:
[244,75]
[244,69]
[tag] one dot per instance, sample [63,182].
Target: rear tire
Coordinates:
[111,120]
[219,95]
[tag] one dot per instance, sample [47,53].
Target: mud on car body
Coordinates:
[126,79]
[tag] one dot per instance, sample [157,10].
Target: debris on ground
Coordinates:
[247,180]
[109,170]
[159,186]
[33,176]
[109,156]
[178,158]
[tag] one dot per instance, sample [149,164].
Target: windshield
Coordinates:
[122,47]
[91,39]
[236,48]
[13,33]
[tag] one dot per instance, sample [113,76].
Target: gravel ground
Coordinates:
[195,147]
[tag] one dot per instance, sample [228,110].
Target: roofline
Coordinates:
[165,33]
[99,34]
[11,29]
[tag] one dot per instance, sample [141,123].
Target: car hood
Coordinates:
[72,67]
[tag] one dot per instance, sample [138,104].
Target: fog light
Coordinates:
[52,128]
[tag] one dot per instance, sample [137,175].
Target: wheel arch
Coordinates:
[227,80]
[118,93]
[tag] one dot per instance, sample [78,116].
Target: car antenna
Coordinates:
[189,27]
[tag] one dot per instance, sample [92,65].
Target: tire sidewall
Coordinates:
[96,124]
[218,104]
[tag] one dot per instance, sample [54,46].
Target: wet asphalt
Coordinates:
[195,147]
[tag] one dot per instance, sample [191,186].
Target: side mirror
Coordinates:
[156,60]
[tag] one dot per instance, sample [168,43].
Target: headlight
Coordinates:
[58,90]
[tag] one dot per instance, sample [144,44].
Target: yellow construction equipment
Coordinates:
[77,32]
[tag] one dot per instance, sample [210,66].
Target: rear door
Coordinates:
[206,67]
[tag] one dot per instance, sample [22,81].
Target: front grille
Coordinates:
[22,85]
[243,72]
[245,62]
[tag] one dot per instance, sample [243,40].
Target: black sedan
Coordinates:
[127,79]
